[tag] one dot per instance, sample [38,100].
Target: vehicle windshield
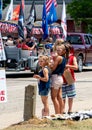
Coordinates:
[74,39]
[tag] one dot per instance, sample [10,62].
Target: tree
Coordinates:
[5,3]
[81,10]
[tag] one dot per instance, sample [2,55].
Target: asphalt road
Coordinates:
[12,111]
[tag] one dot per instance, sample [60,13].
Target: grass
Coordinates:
[45,124]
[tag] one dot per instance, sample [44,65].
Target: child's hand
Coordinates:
[36,76]
[67,65]
[54,56]
[51,64]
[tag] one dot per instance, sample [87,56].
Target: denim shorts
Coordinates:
[44,92]
[68,91]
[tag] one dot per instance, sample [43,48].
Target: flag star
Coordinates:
[52,17]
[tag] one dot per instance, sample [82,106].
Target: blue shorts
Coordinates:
[44,92]
[68,91]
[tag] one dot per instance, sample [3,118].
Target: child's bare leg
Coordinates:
[45,110]
[64,101]
[54,93]
[60,100]
[70,104]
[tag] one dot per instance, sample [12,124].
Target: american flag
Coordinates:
[63,21]
[49,3]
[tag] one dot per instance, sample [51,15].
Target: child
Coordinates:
[68,90]
[44,82]
[56,78]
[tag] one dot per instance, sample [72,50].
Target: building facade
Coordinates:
[40,1]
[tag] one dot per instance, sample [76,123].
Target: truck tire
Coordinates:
[80,63]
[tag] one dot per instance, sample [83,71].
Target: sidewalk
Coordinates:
[8,119]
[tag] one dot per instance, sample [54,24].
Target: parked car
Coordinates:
[82,45]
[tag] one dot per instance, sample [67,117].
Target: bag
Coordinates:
[68,77]
[11,63]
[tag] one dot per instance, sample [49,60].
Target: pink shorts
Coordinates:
[56,81]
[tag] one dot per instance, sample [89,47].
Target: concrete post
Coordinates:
[30,102]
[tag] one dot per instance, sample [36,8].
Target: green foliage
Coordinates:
[80,9]
[5,3]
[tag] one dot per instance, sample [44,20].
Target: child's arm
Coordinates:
[45,78]
[74,66]
[51,64]
[46,75]
[56,62]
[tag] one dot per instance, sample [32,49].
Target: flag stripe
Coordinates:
[63,21]
[52,16]
[49,3]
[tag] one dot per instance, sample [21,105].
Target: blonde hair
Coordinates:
[58,42]
[45,58]
[65,48]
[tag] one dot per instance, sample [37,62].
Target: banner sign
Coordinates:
[7,27]
[52,30]
[3,92]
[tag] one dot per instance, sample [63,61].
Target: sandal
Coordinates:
[70,113]
[64,112]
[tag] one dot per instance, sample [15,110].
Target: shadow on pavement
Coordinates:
[19,74]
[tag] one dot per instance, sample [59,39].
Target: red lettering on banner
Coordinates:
[2,92]
[2,98]
[2,78]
